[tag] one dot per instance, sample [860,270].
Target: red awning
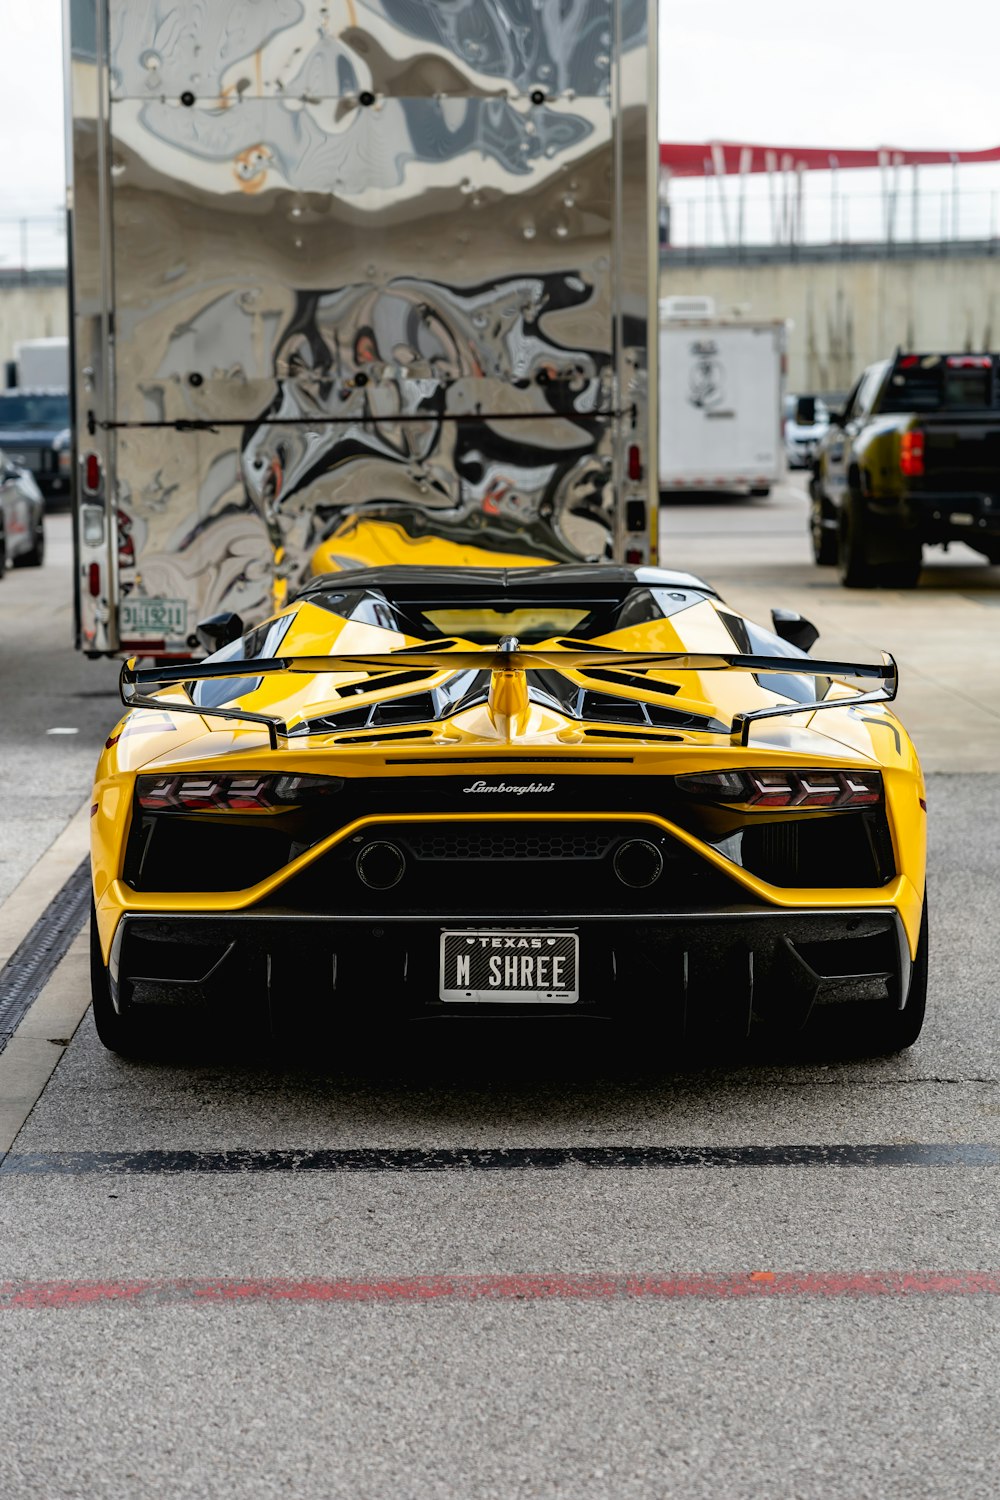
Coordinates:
[693,158]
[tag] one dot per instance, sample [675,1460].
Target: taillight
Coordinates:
[222,794]
[970,361]
[91,473]
[761,791]
[911,454]
[94,579]
[634,463]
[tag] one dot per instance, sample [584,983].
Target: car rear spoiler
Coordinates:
[135,684]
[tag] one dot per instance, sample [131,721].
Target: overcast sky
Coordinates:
[850,73]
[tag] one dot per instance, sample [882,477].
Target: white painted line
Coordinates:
[27,901]
[60,729]
[34,1051]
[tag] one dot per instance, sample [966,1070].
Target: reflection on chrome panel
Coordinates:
[368,259]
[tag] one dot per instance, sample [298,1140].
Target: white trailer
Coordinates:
[42,363]
[722,385]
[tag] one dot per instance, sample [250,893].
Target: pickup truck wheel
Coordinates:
[898,570]
[901,573]
[825,547]
[856,571]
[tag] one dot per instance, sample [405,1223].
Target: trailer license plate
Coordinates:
[526,968]
[158,619]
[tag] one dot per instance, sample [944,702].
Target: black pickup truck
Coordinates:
[914,457]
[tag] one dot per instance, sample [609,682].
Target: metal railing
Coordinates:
[814,210]
[32,242]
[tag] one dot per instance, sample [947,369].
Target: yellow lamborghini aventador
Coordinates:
[420,792]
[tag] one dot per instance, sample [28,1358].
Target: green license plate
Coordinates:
[153,619]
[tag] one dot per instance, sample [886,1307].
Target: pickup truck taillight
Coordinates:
[911,454]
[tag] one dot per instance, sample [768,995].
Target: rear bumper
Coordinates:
[684,967]
[953,517]
[940,517]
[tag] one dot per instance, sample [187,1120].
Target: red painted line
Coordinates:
[514,1288]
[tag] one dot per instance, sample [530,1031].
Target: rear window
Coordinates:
[938,382]
[484,625]
[34,411]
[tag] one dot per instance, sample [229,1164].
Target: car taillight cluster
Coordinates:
[220,794]
[759,791]
[911,453]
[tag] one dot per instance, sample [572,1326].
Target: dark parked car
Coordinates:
[914,457]
[34,430]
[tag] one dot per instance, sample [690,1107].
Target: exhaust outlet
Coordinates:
[638,863]
[380,866]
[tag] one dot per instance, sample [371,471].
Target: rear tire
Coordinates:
[119,1033]
[900,570]
[759,491]
[36,557]
[825,547]
[896,1029]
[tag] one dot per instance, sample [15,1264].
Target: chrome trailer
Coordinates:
[392,258]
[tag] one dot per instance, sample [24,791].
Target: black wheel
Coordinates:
[895,1029]
[759,491]
[36,557]
[899,570]
[825,547]
[872,1028]
[119,1033]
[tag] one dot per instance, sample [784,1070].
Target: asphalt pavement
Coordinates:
[55,708]
[251,1274]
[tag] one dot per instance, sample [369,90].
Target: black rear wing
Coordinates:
[137,687]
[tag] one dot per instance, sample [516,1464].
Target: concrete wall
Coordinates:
[846,313]
[30,312]
[849,313]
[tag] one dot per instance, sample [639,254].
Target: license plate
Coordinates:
[160,619]
[526,968]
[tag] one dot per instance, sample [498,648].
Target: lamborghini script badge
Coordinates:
[516,791]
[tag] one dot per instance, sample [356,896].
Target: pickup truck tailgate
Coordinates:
[962,455]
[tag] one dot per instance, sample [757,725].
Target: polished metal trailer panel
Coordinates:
[388,257]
